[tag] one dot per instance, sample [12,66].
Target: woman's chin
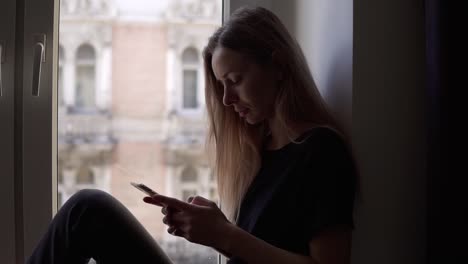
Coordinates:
[252,121]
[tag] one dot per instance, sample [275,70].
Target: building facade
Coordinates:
[131,106]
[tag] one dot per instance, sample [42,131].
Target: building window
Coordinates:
[188,182]
[85,76]
[190,66]
[85,176]
[60,87]
[189,175]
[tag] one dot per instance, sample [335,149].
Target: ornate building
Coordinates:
[189,25]
[86,140]
[131,106]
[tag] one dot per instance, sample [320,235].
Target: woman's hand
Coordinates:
[198,220]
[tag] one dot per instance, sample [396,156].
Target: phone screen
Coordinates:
[144,188]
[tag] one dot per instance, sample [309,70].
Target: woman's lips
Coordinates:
[244,112]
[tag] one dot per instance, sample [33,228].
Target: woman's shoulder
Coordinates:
[329,156]
[323,137]
[325,147]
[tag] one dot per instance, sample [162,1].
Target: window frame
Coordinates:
[9,184]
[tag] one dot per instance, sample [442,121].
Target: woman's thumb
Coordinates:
[198,200]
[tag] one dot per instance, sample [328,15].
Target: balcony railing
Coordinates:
[85,127]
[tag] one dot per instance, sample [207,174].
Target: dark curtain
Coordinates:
[447,71]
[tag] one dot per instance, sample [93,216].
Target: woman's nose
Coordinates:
[229,97]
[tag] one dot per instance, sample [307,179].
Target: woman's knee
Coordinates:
[94,198]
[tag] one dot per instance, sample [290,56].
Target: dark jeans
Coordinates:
[93,224]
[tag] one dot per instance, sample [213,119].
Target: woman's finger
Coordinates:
[170,202]
[151,201]
[167,220]
[175,231]
[199,200]
[178,232]
[168,210]
[171,229]
[178,218]
[174,219]
[189,200]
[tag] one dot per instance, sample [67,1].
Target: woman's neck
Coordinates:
[279,136]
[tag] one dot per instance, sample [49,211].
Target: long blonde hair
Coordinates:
[236,145]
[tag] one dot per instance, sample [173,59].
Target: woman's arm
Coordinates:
[208,226]
[331,247]
[224,253]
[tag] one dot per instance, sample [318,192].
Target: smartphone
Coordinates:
[144,188]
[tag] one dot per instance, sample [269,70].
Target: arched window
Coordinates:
[60,87]
[85,76]
[85,176]
[190,66]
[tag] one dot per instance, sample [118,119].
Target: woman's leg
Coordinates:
[93,224]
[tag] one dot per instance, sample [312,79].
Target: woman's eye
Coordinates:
[233,81]
[228,83]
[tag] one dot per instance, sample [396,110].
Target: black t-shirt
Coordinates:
[300,190]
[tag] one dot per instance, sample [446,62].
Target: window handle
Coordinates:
[2,60]
[38,59]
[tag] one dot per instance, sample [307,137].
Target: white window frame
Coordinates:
[60,77]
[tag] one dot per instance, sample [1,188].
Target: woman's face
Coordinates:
[249,88]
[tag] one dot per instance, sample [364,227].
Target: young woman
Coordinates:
[286,177]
